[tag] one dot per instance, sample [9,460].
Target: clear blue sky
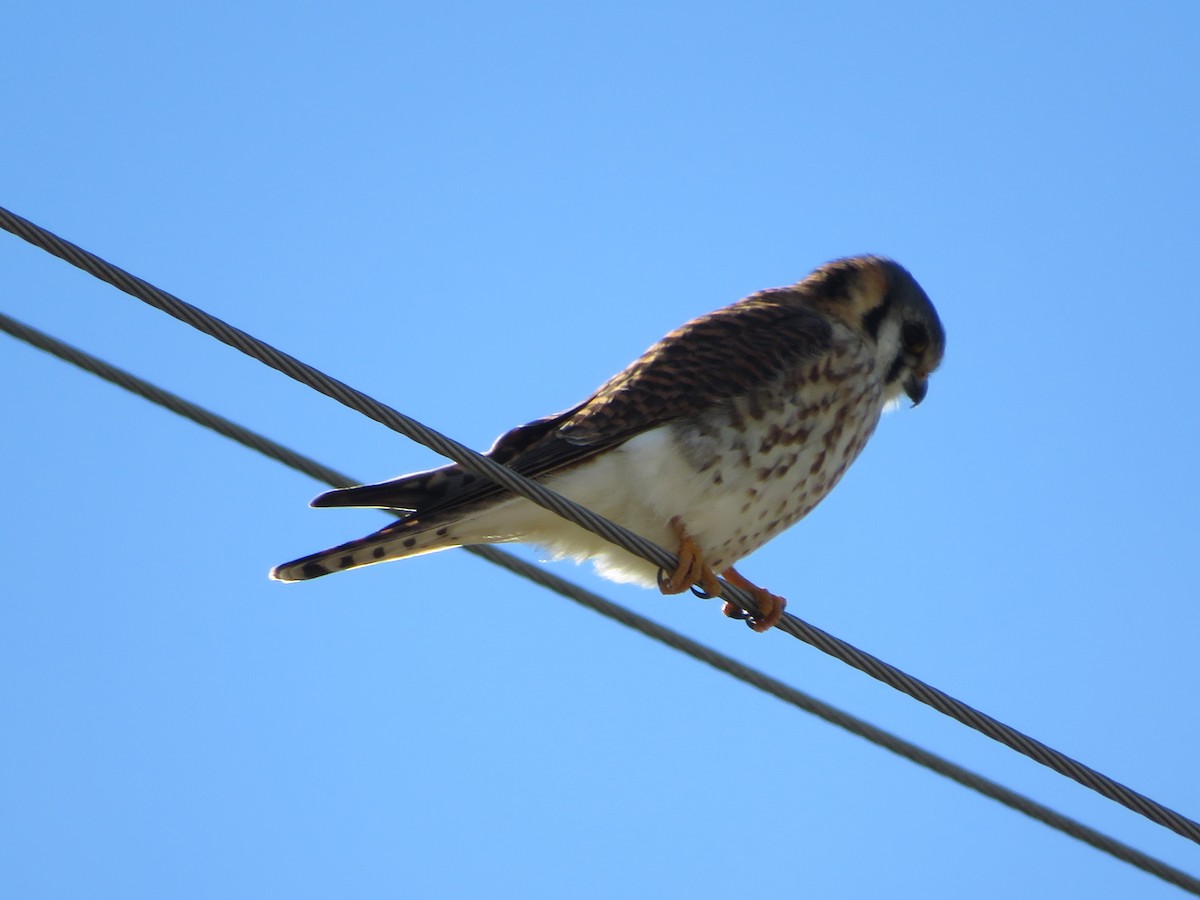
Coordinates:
[477,212]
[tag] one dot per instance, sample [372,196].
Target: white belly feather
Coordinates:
[748,474]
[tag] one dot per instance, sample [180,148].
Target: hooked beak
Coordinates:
[916,387]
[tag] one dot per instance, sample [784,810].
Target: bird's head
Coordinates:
[879,299]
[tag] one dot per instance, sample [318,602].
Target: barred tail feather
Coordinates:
[397,541]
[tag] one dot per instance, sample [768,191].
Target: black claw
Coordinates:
[702,594]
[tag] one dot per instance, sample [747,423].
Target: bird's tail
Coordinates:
[408,537]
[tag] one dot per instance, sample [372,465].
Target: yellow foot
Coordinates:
[691,570]
[770,606]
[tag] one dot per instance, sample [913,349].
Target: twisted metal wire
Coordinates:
[537,493]
[670,638]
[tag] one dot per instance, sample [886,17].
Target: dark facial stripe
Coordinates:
[836,282]
[873,319]
[893,371]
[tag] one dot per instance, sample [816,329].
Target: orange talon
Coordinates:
[770,606]
[709,583]
[691,569]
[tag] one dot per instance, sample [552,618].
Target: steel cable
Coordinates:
[673,639]
[481,465]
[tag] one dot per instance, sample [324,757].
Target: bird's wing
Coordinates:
[448,485]
[721,355]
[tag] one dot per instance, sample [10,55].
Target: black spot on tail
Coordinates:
[409,543]
[346,561]
[314,570]
[378,552]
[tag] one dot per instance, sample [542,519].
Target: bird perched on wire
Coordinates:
[721,435]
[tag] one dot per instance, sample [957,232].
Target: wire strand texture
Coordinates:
[666,636]
[537,493]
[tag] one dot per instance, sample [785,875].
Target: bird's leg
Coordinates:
[770,606]
[691,569]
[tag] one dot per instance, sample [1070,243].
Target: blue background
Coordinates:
[476,213]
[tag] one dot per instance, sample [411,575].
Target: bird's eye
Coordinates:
[914,337]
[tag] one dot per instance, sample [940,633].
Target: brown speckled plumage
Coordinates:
[722,434]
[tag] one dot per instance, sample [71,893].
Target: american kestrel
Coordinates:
[721,435]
